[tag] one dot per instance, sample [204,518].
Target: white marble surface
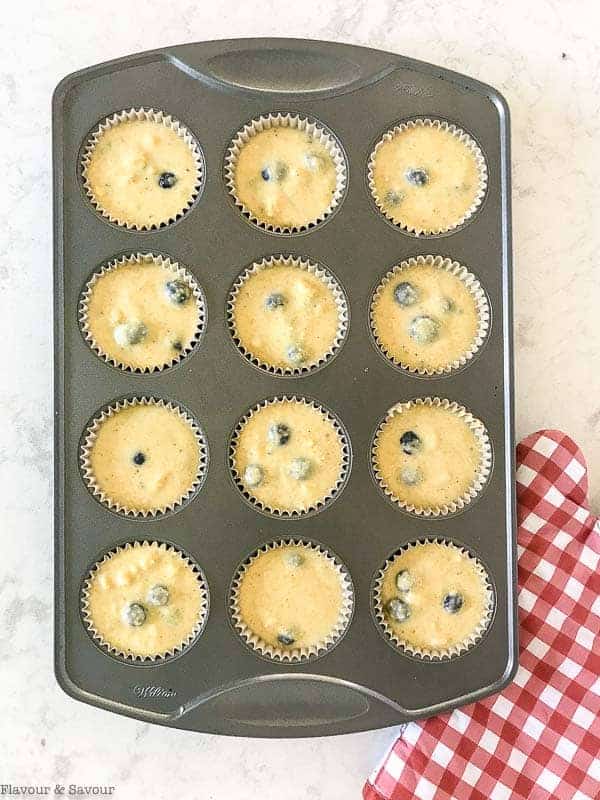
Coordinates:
[545,57]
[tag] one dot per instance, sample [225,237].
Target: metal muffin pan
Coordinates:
[218,685]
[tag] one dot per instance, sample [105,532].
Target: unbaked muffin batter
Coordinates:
[144,458]
[434,596]
[425,178]
[142,173]
[286,316]
[142,315]
[427,456]
[285,177]
[288,456]
[291,597]
[145,600]
[424,317]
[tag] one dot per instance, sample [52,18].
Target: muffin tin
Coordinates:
[217,684]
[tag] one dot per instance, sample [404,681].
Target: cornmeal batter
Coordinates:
[145,600]
[443,596]
[423,291]
[141,173]
[286,316]
[289,456]
[285,177]
[425,178]
[144,458]
[291,597]
[142,315]
[426,456]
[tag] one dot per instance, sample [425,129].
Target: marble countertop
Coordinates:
[544,57]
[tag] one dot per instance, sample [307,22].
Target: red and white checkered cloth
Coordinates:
[540,737]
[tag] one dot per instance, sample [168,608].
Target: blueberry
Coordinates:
[404,581]
[276,172]
[177,292]
[424,330]
[393,198]
[275,300]
[166,180]
[286,638]
[177,346]
[416,176]
[253,475]
[299,469]
[139,458]
[278,434]
[295,355]
[410,443]
[134,614]
[129,333]
[265,174]
[405,294]
[397,609]
[293,559]
[411,476]
[158,595]
[453,602]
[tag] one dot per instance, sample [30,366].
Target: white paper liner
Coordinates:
[90,437]
[480,479]
[314,269]
[319,132]
[294,654]
[335,490]
[467,141]
[155,116]
[193,634]
[434,654]
[179,272]
[474,287]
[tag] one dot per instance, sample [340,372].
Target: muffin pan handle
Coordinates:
[286,66]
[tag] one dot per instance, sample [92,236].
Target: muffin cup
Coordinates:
[154,116]
[142,258]
[89,437]
[167,654]
[416,652]
[319,132]
[298,654]
[477,292]
[480,480]
[314,269]
[467,140]
[335,490]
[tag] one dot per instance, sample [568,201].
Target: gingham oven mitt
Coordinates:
[540,737]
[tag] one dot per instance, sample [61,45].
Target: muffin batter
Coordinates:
[145,600]
[424,291]
[426,456]
[443,596]
[285,177]
[286,316]
[291,597]
[142,314]
[288,456]
[425,178]
[144,458]
[141,173]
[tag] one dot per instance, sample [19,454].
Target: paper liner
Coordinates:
[474,287]
[319,132]
[432,655]
[315,269]
[142,258]
[480,479]
[89,438]
[139,114]
[107,646]
[297,654]
[467,141]
[335,490]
